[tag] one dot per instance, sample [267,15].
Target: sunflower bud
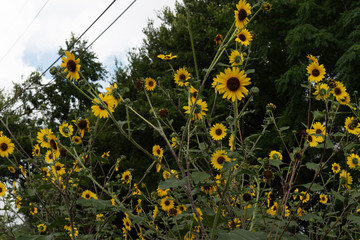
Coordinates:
[268,174]
[254,91]
[52,70]
[163,113]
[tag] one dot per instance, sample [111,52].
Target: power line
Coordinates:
[22,34]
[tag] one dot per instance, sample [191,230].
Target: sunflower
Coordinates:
[267,7]
[335,167]
[319,128]
[126,177]
[45,172]
[2,189]
[99,108]
[244,37]
[275,155]
[218,158]
[322,91]
[242,13]
[155,212]
[162,192]
[76,139]
[167,204]
[87,194]
[115,93]
[181,77]
[316,72]
[166,57]
[66,130]
[352,125]
[43,137]
[53,144]
[273,209]
[41,227]
[71,65]
[58,169]
[6,146]
[218,131]
[218,39]
[304,197]
[150,84]
[236,58]
[346,179]
[339,90]
[127,222]
[312,58]
[166,174]
[353,161]
[36,150]
[157,151]
[181,208]
[173,142]
[232,83]
[33,210]
[231,142]
[200,214]
[11,169]
[312,139]
[200,108]
[82,125]
[194,92]
[345,100]
[323,198]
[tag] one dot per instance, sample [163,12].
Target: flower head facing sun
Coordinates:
[157,151]
[323,198]
[87,194]
[218,131]
[242,13]
[199,111]
[71,65]
[244,37]
[339,90]
[335,167]
[6,146]
[43,137]
[41,227]
[2,189]
[232,83]
[167,204]
[150,84]
[126,177]
[181,77]
[352,125]
[218,158]
[316,72]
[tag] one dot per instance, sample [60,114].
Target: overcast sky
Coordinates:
[31,37]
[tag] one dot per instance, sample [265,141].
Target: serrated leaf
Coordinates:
[199,176]
[337,195]
[172,182]
[354,219]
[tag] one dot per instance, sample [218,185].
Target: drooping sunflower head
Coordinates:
[2,189]
[242,13]
[322,91]
[194,92]
[218,39]
[316,72]
[218,158]
[232,83]
[199,106]
[181,77]
[71,65]
[218,131]
[244,37]
[150,84]
[236,58]
[6,146]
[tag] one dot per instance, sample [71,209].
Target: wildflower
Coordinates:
[200,108]
[155,212]
[157,151]
[181,208]
[312,58]
[76,139]
[322,91]
[347,179]
[319,129]
[194,93]
[166,57]
[316,72]
[23,172]
[218,131]
[2,189]
[100,217]
[173,142]
[166,175]
[244,37]
[200,214]
[98,108]
[87,194]
[267,7]
[41,227]
[273,210]
[58,169]
[82,125]
[181,77]
[106,155]
[339,90]
[242,13]
[33,210]
[163,113]
[138,207]
[126,177]
[127,222]
[71,65]
[208,189]
[6,146]
[218,158]
[304,197]
[353,161]
[150,84]
[162,192]
[172,212]
[231,142]
[236,58]
[352,125]
[11,169]
[166,204]
[300,212]
[268,199]
[232,83]
[311,139]
[18,202]
[275,155]
[323,198]
[114,92]
[218,39]
[136,190]
[335,167]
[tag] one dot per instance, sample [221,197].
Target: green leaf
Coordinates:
[242,234]
[350,146]
[312,166]
[314,187]
[284,128]
[199,176]
[354,219]
[249,71]
[337,195]
[36,237]
[275,162]
[172,182]
[97,203]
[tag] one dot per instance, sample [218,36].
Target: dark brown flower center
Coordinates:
[126,177]
[182,77]
[87,195]
[233,84]
[337,91]
[71,65]
[242,14]
[32,209]
[172,212]
[218,132]
[1,189]
[53,144]
[3,147]
[151,83]
[50,156]
[309,138]
[58,168]
[221,160]
[355,161]
[167,203]
[318,131]
[158,151]
[195,94]
[82,124]
[242,37]
[315,72]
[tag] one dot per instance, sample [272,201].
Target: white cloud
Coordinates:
[38,46]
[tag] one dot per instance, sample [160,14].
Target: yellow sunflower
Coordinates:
[36,150]
[53,144]
[167,204]
[273,209]
[267,7]
[339,90]
[99,108]
[58,169]
[33,210]
[87,194]
[157,151]
[162,192]
[200,214]
[181,208]
[218,39]
[218,131]
[71,65]
[76,139]
[335,167]
[66,130]
[304,197]
[200,108]
[232,83]
[82,124]
[11,169]
[6,146]
[319,128]
[353,161]
[127,222]
[322,91]
[41,227]
[218,158]
[275,155]
[244,37]
[352,125]
[312,139]
[126,177]
[193,92]
[236,58]
[2,189]
[150,84]
[43,137]
[312,58]
[173,142]
[346,179]
[231,142]
[181,77]
[166,57]
[345,100]
[115,93]
[316,72]
[242,13]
